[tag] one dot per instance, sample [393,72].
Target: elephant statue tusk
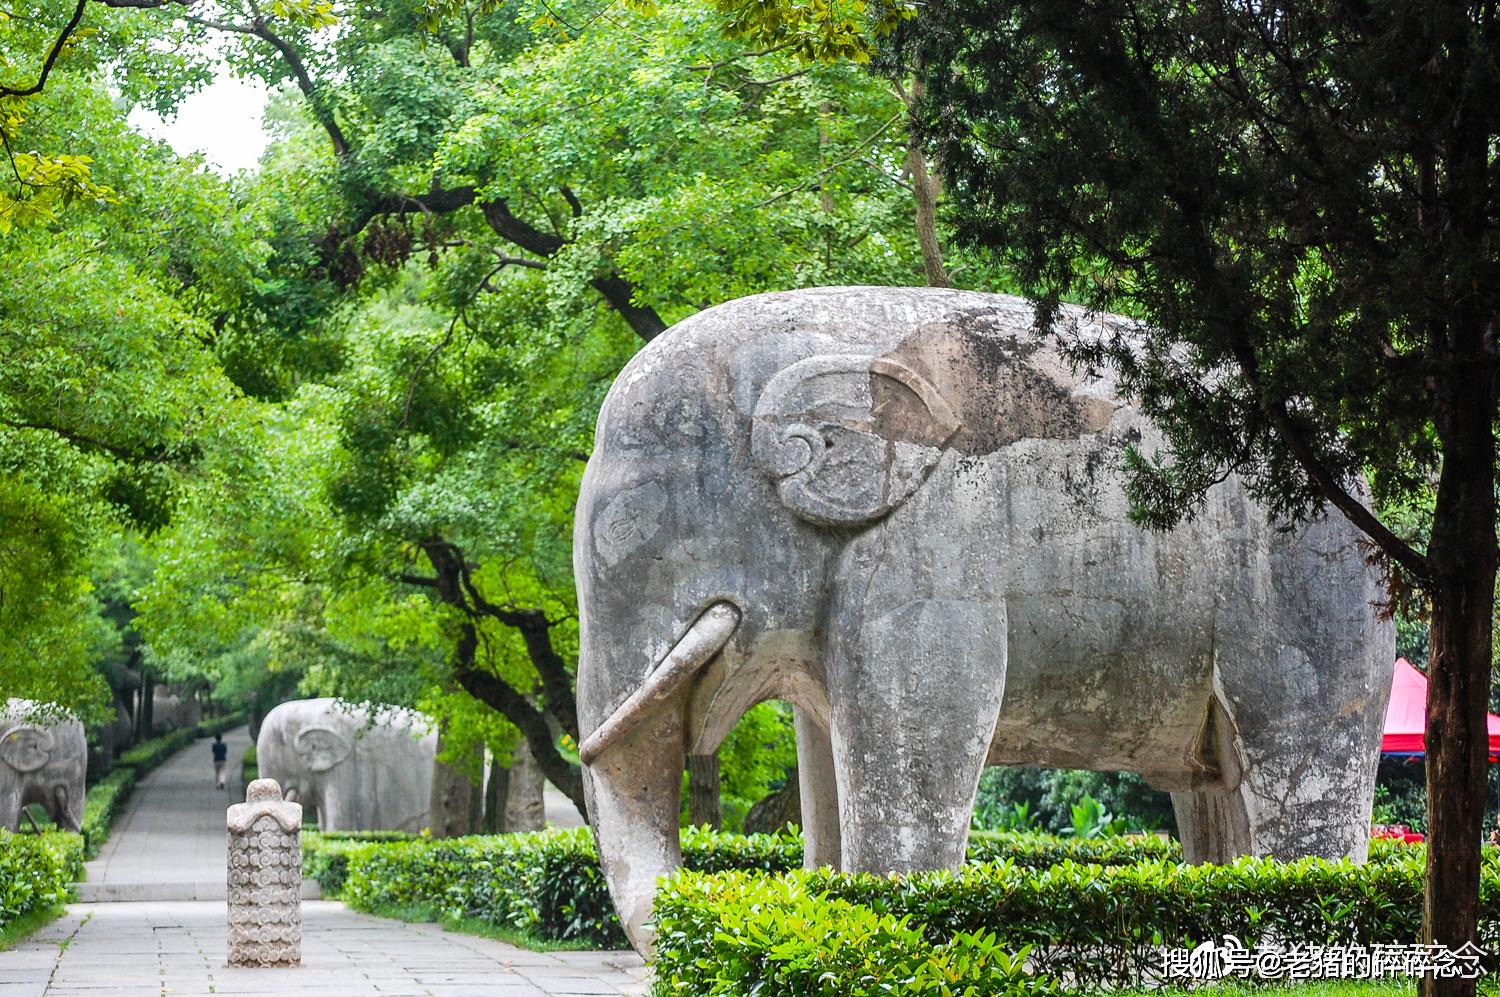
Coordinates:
[704,639]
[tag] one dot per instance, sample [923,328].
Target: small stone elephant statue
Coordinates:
[43,760]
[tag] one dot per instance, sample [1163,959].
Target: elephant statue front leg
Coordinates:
[915,692]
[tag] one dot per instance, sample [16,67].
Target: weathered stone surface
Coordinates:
[42,761]
[358,776]
[265,878]
[899,511]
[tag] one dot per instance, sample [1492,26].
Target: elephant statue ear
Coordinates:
[848,438]
[321,748]
[25,748]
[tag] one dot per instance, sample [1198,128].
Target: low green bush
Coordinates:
[36,871]
[224,724]
[1041,851]
[325,856]
[771,936]
[548,885]
[103,803]
[149,754]
[1094,926]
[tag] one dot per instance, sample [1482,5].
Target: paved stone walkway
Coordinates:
[170,844]
[156,924]
[152,949]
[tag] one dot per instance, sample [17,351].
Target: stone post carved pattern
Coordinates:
[265,878]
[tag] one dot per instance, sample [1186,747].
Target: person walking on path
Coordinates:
[221,760]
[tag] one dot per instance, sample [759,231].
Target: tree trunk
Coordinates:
[448,803]
[703,791]
[776,811]
[1463,558]
[925,187]
[496,791]
[525,807]
[145,719]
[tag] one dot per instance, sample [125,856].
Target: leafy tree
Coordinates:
[1298,200]
[107,384]
[478,227]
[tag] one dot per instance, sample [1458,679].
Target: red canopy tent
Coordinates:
[1406,716]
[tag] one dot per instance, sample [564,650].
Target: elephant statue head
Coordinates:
[847,437]
[321,748]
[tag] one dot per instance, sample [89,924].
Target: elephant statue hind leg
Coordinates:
[818,793]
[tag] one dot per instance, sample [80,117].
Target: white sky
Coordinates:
[222,121]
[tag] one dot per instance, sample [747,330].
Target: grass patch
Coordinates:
[20,928]
[428,914]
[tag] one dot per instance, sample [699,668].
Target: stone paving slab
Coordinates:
[178,949]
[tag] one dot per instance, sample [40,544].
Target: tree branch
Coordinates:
[156,455]
[51,60]
[321,111]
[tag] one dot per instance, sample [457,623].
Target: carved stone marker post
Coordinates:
[265,878]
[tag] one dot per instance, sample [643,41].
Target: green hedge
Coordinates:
[36,871]
[774,937]
[1041,851]
[550,884]
[1092,925]
[149,754]
[224,724]
[104,802]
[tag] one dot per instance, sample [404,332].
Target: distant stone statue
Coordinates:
[43,760]
[265,878]
[901,512]
[358,775]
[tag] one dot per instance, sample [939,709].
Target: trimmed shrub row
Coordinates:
[550,884]
[547,884]
[224,724]
[1093,926]
[36,871]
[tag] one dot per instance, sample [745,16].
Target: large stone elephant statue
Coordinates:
[361,776]
[904,514]
[43,760]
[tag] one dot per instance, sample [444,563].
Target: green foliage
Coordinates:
[774,936]
[550,886]
[1050,796]
[105,801]
[222,725]
[36,872]
[1093,926]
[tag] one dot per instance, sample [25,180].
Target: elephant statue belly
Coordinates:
[361,776]
[904,514]
[42,760]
